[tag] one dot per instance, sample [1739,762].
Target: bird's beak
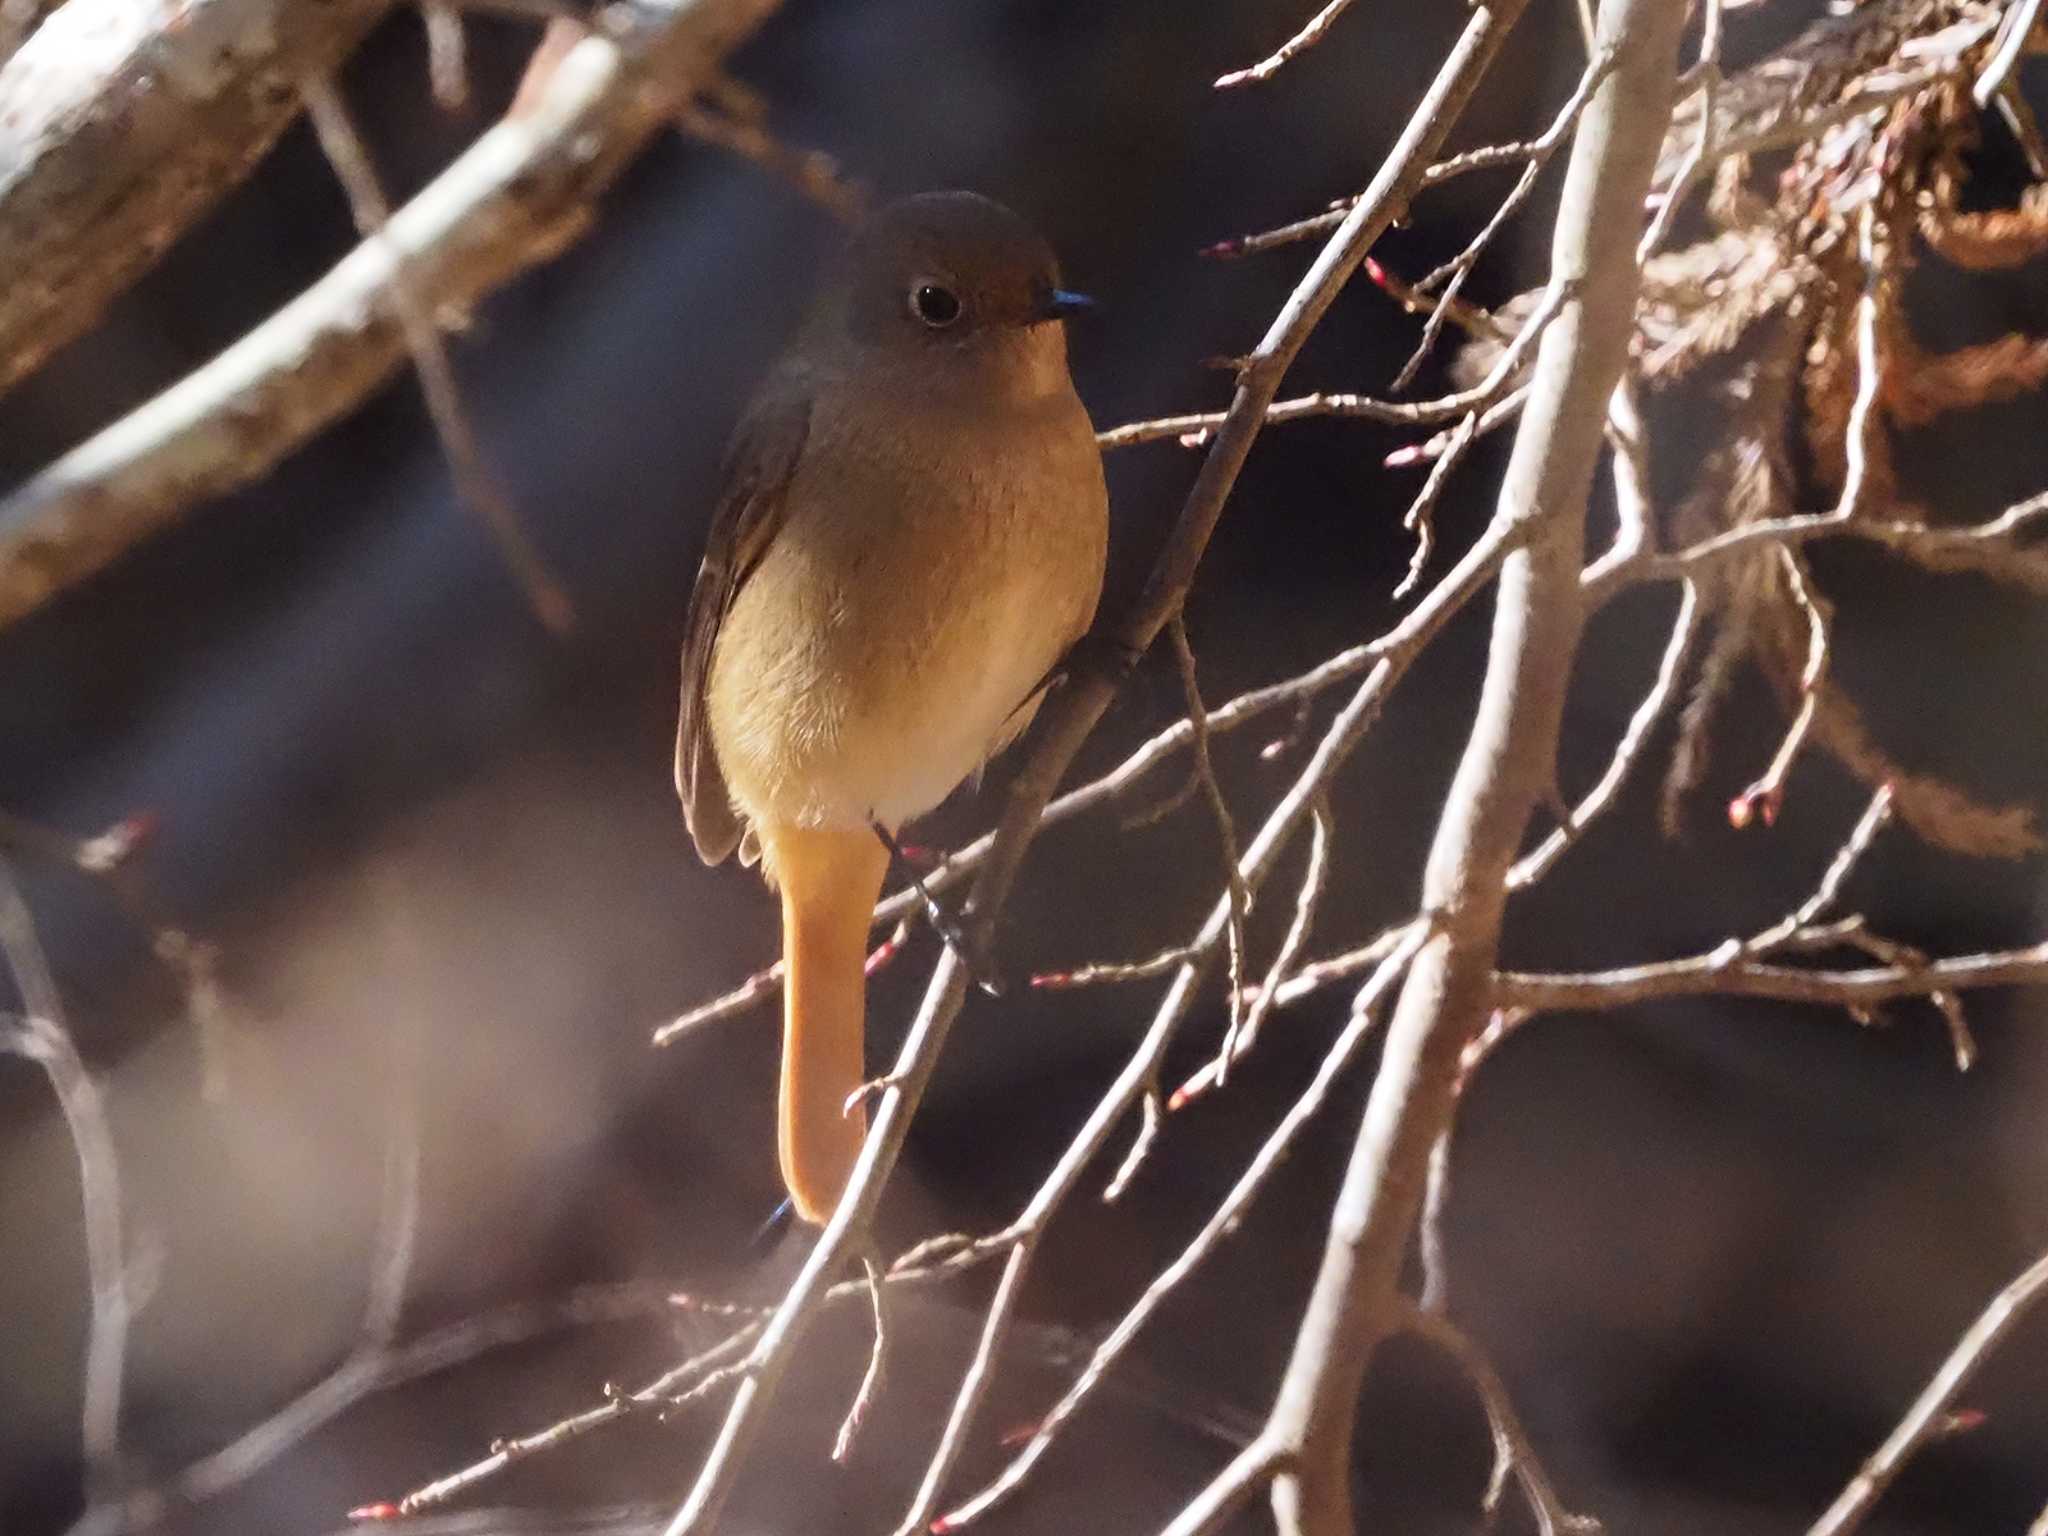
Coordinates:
[1061,303]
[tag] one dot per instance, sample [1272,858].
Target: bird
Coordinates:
[910,537]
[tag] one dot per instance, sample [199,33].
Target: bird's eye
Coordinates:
[937,306]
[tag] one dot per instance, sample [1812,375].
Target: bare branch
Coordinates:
[1536,150]
[871,1379]
[1221,1223]
[1354,1304]
[474,482]
[1715,974]
[40,1035]
[811,172]
[2015,28]
[447,55]
[41,1038]
[1302,41]
[515,198]
[1875,815]
[1194,430]
[1923,1419]
[126,121]
[1071,715]
[1250,1470]
[1136,1082]
[363,1376]
[1685,629]
[109,858]
[1313,881]
[1763,798]
[1513,1455]
[1990,547]
[1238,893]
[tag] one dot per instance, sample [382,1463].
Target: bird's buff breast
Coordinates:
[883,647]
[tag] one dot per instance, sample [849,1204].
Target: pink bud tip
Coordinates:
[1755,805]
[383,1509]
[1401,458]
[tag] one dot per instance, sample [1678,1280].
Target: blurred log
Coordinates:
[121,123]
[519,195]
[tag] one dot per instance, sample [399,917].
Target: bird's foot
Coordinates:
[868,1091]
[951,931]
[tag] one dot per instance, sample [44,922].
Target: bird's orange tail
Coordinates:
[830,878]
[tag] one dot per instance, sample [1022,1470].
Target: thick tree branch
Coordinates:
[126,121]
[1506,767]
[519,195]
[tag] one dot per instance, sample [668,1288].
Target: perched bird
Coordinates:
[910,538]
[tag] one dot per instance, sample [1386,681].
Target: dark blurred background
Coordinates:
[1714,1249]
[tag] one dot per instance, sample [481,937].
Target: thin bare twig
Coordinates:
[43,1041]
[1239,894]
[474,482]
[1715,974]
[1306,38]
[1763,798]
[1420,518]
[447,54]
[1706,71]
[1195,430]
[812,172]
[110,859]
[2016,28]
[1685,629]
[1875,815]
[361,1377]
[1354,1303]
[1991,547]
[1444,170]
[1513,1455]
[1111,972]
[40,1034]
[871,1379]
[1923,1419]
[1221,1223]
[1315,877]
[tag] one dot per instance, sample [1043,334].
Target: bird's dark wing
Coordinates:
[758,468]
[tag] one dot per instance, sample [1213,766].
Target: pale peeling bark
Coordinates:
[519,195]
[121,123]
